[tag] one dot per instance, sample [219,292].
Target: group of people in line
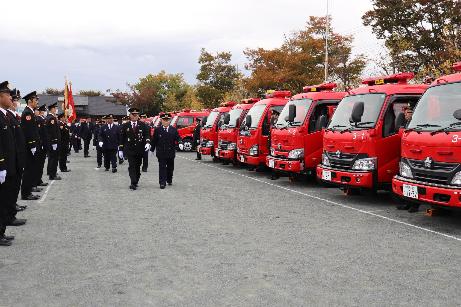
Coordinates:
[39,134]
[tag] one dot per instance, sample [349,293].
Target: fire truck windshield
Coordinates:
[234,116]
[372,102]
[211,119]
[256,112]
[302,107]
[435,109]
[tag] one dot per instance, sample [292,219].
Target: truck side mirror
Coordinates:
[357,112]
[291,113]
[226,119]
[248,121]
[457,114]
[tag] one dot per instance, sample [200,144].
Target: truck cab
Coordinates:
[185,122]
[209,132]
[227,135]
[296,139]
[430,167]
[361,145]
[252,142]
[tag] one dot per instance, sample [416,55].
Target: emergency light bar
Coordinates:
[320,87]
[457,66]
[278,94]
[401,78]
[250,100]
[228,104]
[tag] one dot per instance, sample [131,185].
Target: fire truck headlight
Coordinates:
[367,164]
[232,146]
[325,160]
[209,144]
[405,170]
[296,154]
[457,179]
[254,150]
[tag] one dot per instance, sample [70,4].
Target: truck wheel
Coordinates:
[187,145]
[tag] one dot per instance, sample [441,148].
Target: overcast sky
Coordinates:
[103,45]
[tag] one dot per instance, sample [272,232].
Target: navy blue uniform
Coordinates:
[96,130]
[85,134]
[41,150]
[64,148]
[110,136]
[164,142]
[54,140]
[133,142]
[32,139]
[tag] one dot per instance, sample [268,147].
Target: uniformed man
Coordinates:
[135,142]
[96,130]
[145,158]
[74,135]
[32,138]
[7,161]
[86,135]
[15,121]
[54,140]
[65,140]
[196,140]
[42,150]
[109,141]
[164,141]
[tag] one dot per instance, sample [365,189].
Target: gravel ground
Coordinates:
[224,236]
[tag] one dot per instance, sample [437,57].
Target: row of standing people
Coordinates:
[26,141]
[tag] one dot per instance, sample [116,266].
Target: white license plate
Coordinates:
[271,163]
[326,175]
[410,191]
[242,159]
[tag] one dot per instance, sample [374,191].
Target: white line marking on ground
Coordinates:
[332,202]
[42,199]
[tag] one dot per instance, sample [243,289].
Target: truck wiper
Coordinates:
[357,125]
[295,123]
[445,129]
[336,126]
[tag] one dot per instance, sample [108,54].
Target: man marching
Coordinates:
[109,141]
[135,141]
[164,140]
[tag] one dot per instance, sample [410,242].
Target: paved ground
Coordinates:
[223,236]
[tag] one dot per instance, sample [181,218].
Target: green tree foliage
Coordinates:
[90,93]
[300,60]
[53,91]
[217,77]
[422,36]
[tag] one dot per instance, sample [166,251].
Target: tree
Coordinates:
[216,78]
[421,36]
[300,60]
[53,91]
[90,93]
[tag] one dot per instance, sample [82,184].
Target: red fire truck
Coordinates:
[296,139]
[185,121]
[361,146]
[430,167]
[227,135]
[209,132]
[252,142]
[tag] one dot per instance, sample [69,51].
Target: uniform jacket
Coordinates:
[96,130]
[30,129]
[165,142]
[85,131]
[20,142]
[133,141]
[41,125]
[52,130]
[7,146]
[109,137]
[65,134]
[197,134]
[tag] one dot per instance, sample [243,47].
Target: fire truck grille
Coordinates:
[436,166]
[203,144]
[345,161]
[224,145]
[431,178]
[437,173]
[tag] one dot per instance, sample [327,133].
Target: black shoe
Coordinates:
[8,238]
[36,190]
[144,170]
[106,170]
[170,183]
[55,178]
[120,162]
[162,186]
[16,222]
[114,170]
[87,156]
[99,166]
[43,184]
[30,197]
[133,187]
[4,242]
[403,207]
[413,209]
[65,170]
[198,159]
[20,208]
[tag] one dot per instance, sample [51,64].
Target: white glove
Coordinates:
[120,155]
[2,176]
[147,147]
[33,150]
[54,146]
[181,146]
[100,144]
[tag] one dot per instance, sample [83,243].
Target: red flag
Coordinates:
[71,106]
